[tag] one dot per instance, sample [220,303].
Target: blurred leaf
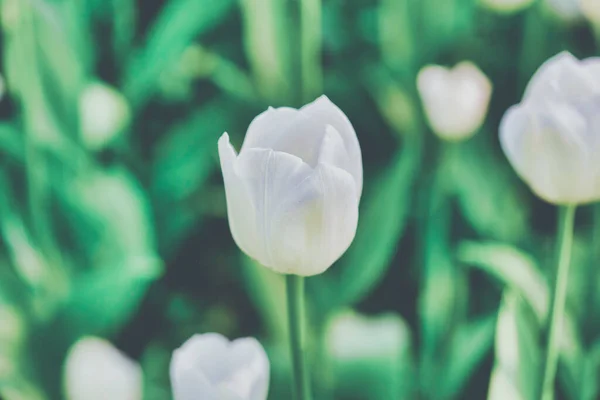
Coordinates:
[517,371]
[383,216]
[267,40]
[184,159]
[590,382]
[115,227]
[472,343]
[177,26]
[512,267]
[11,142]
[123,13]
[63,55]
[268,292]
[492,206]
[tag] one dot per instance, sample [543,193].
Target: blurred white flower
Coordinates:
[293,191]
[552,138]
[96,370]
[353,336]
[103,114]
[507,6]
[591,10]
[210,367]
[455,100]
[379,348]
[567,10]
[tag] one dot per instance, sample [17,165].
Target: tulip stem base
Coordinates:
[295,306]
[556,321]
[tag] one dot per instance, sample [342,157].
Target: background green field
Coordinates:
[122,233]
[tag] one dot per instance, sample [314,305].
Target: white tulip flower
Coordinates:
[293,190]
[210,367]
[96,370]
[552,138]
[455,100]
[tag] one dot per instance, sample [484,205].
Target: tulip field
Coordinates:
[300,200]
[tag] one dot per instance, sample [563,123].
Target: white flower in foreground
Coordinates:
[567,10]
[210,367]
[552,138]
[96,370]
[103,114]
[293,191]
[507,6]
[455,100]
[591,10]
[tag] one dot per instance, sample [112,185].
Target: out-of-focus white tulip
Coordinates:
[552,138]
[455,100]
[293,191]
[354,336]
[96,370]
[567,10]
[377,348]
[210,367]
[506,6]
[591,10]
[103,114]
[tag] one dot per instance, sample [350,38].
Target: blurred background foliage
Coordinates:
[112,209]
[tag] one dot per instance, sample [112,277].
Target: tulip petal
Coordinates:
[268,177]
[250,365]
[210,367]
[333,151]
[241,215]
[545,146]
[564,77]
[266,128]
[286,130]
[326,113]
[316,223]
[190,384]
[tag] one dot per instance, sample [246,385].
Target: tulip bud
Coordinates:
[96,370]
[455,100]
[293,191]
[103,114]
[210,367]
[552,138]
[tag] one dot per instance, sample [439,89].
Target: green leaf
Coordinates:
[11,142]
[184,159]
[383,216]
[111,220]
[471,344]
[590,384]
[512,267]
[492,206]
[177,26]
[267,290]
[517,370]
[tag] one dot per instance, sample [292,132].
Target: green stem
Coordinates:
[565,230]
[295,304]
